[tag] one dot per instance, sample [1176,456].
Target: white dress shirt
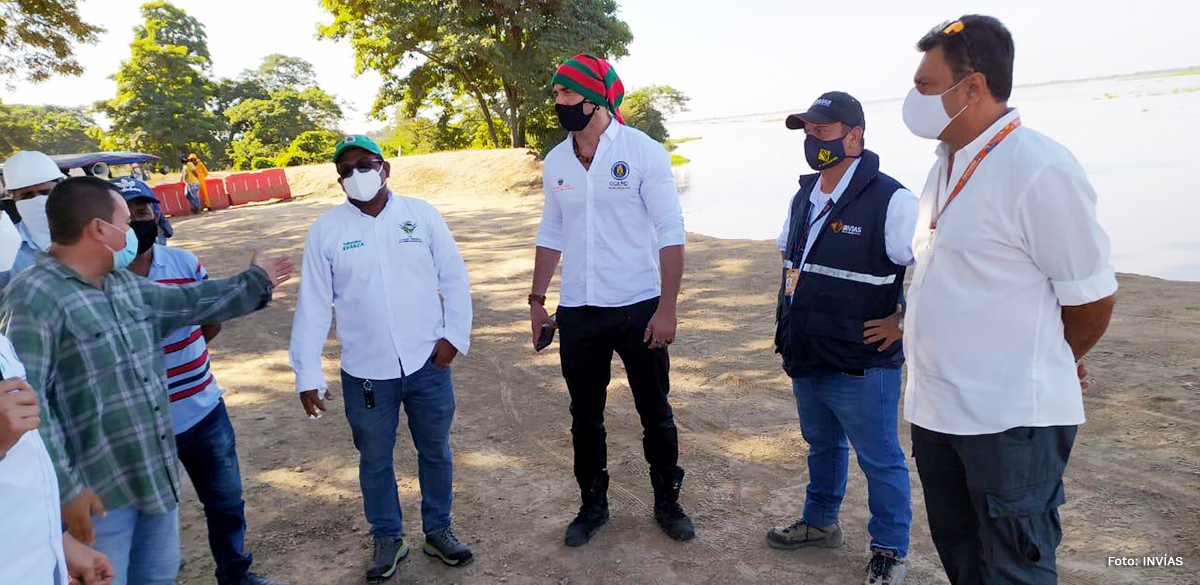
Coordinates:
[610,220]
[898,226]
[383,276]
[983,334]
[31,535]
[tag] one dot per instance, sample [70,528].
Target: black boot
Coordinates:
[670,515]
[592,514]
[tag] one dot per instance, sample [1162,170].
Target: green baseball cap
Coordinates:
[356,141]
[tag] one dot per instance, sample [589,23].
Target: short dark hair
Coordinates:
[74,203]
[982,44]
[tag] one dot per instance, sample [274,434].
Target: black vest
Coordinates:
[847,279]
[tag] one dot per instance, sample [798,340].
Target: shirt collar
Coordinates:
[387,206]
[816,195]
[610,133]
[943,151]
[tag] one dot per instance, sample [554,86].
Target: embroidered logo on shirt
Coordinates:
[409,227]
[563,186]
[352,245]
[840,227]
[620,170]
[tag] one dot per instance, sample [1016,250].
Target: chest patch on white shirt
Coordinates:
[620,172]
[408,228]
[352,244]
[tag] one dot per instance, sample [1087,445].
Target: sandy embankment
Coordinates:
[1133,484]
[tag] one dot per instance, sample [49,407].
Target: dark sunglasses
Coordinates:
[38,193]
[363,164]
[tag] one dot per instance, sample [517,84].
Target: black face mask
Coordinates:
[147,232]
[572,118]
[822,154]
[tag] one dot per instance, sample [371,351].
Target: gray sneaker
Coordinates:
[387,555]
[885,568]
[444,545]
[800,535]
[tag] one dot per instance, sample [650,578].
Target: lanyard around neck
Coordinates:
[970,170]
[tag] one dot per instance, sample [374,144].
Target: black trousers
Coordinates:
[589,336]
[993,501]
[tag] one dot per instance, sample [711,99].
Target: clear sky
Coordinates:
[732,58]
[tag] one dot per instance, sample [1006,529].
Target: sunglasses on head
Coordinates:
[363,164]
[959,29]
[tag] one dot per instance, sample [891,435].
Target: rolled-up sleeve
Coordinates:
[454,283]
[314,314]
[661,198]
[1063,238]
[549,233]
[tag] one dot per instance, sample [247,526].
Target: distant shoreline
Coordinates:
[1194,70]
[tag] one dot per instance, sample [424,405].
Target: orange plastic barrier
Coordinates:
[243,188]
[217,197]
[274,184]
[172,200]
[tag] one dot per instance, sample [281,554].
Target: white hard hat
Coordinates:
[27,168]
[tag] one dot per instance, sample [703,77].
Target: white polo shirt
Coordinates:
[610,220]
[397,283]
[31,540]
[897,226]
[983,334]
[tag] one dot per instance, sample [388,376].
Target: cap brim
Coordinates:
[797,121]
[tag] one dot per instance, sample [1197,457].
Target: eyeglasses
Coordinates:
[958,28]
[363,164]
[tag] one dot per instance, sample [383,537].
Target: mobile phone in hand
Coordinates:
[547,335]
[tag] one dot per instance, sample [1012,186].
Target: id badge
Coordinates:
[790,278]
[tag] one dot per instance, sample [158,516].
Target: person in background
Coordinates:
[845,245]
[190,177]
[89,334]
[203,434]
[29,176]
[34,550]
[1012,287]
[136,171]
[390,269]
[202,174]
[612,215]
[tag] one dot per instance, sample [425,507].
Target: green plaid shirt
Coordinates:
[94,358]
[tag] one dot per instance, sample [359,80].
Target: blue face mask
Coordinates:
[124,257]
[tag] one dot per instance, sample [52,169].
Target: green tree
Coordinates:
[648,108]
[314,146]
[38,37]
[50,129]
[283,72]
[500,53]
[164,89]
[268,127]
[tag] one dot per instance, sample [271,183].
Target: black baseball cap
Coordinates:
[834,106]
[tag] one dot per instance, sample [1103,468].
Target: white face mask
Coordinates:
[925,115]
[10,241]
[363,185]
[35,227]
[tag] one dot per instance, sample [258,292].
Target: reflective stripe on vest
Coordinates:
[847,275]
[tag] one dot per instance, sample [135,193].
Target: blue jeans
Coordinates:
[143,548]
[863,409]
[208,451]
[193,196]
[373,409]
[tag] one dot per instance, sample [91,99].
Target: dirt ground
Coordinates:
[1133,483]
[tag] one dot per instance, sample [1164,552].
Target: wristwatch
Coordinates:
[539,299]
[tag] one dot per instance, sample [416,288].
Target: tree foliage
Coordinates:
[498,53]
[648,108]
[38,38]
[49,129]
[164,89]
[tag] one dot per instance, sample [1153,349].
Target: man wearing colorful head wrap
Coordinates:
[612,213]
